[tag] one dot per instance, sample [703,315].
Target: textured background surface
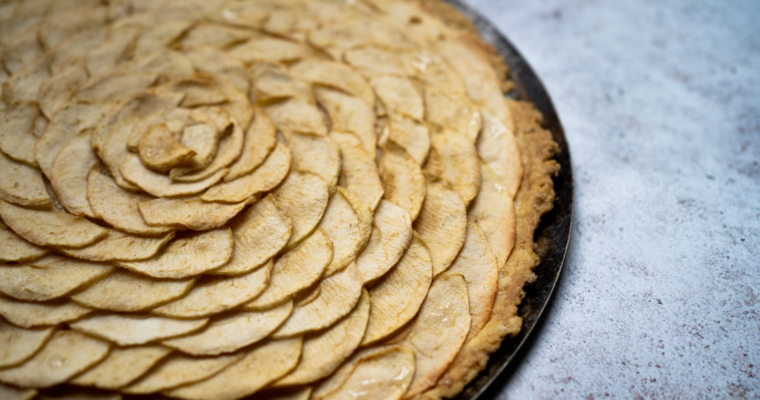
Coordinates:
[660,294]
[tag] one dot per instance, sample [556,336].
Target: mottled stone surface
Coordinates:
[661,104]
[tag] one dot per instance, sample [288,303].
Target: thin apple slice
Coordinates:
[232,332]
[24,84]
[338,294]
[272,84]
[477,264]
[413,136]
[21,184]
[399,96]
[498,148]
[16,138]
[297,116]
[186,256]
[259,234]
[178,369]
[271,49]
[375,60]
[203,138]
[49,278]
[13,393]
[32,314]
[350,114]
[120,246]
[55,91]
[118,207]
[69,172]
[385,375]
[19,50]
[391,235]
[79,351]
[218,62]
[403,181]
[453,110]
[20,344]
[296,270]
[113,86]
[123,291]
[304,197]
[122,366]
[439,330]
[50,227]
[160,185]
[213,295]
[258,367]
[454,159]
[160,151]
[265,178]
[346,228]
[76,46]
[471,62]
[334,75]
[188,213]
[358,171]
[164,33]
[127,330]
[260,140]
[494,212]
[316,154]
[13,248]
[398,296]
[215,34]
[68,21]
[442,224]
[324,352]
[230,149]
[168,63]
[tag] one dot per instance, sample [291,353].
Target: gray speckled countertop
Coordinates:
[661,106]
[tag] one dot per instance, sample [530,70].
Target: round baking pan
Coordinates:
[552,236]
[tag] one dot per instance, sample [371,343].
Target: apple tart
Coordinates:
[290,199]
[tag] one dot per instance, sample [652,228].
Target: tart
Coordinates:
[281,199]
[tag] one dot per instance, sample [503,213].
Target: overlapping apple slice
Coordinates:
[122,366]
[21,343]
[135,330]
[213,295]
[257,368]
[14,248]
[49,278]
[79,351]
[188,255]
[323,352]
[21,184]
[33,314]
[233,332]
[123,291]
[178,369]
